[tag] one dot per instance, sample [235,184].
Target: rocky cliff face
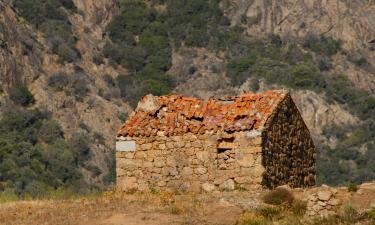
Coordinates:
[25,58]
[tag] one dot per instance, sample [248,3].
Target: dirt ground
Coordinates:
[110,208]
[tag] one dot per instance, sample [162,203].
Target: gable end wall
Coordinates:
[288,149]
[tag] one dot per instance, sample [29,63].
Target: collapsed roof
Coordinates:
[173,115]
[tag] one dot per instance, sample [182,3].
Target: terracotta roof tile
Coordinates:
[175,114]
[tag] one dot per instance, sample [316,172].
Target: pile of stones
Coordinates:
[322,203]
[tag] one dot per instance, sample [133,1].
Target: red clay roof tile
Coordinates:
[175,114]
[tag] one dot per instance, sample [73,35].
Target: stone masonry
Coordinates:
[185,144]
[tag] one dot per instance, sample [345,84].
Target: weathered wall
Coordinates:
[192,162]
[288,155]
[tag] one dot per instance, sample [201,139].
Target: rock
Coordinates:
[317,208]
[187,171]
[207,187]
[228,185]
[334,202]
[285,186]
[200,170]
[159,163]
[324,195]
[321,203]
[225,203]
[202,156]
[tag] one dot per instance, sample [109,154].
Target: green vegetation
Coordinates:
[21,95]
[353,188]
[322,45]
[73,84]
[50,17]
[289,65]
[279,196]
[279,215]
[282,64]
[141,37]
[35,158]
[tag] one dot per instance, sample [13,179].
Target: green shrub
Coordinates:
[28,166]
[279,196]
[59,81]
[269,212]
[350,215]
[21,95]
[299,208]
[250,218]
[371,214]
[322,45]
[50,131]
[50,18]
[352,188]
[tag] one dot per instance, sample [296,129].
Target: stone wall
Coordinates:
[288,155]
[191,162]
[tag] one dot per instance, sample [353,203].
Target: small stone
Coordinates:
[162,183]
[203,156]
[207,187]
[334,202]
[321,203]
[200,170]
[159,163]
[285,186]
[316,208]
[228,185]
[324,195]
[187,171]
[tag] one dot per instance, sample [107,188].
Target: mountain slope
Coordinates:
[88,63]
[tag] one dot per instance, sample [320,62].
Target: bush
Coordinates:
[352,188]
[50,18]
[59,81]
[193,22]
[21,95]
[279,196]
[28,166]
[80,88]
[269,212]
[322,45]
[50,131]
[299,208]
[250,218]
[371,214]
[350,215]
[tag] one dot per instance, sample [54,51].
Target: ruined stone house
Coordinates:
[247,141]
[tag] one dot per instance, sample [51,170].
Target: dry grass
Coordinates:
[186,208]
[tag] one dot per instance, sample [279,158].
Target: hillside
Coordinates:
[76,68]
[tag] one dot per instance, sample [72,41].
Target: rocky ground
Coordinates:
[112,208]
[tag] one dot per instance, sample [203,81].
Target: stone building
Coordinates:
[248,141]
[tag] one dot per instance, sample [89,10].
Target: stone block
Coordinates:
[324,195]
[120,172]
[227,185]
[207,187]
[187,171]
[140,154]
[147,146]
[127,183]
[203,156]
[171,161]
[200,170]
[245,160]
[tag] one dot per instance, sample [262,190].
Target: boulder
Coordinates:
[228,185]
[207,187]
[324,195]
